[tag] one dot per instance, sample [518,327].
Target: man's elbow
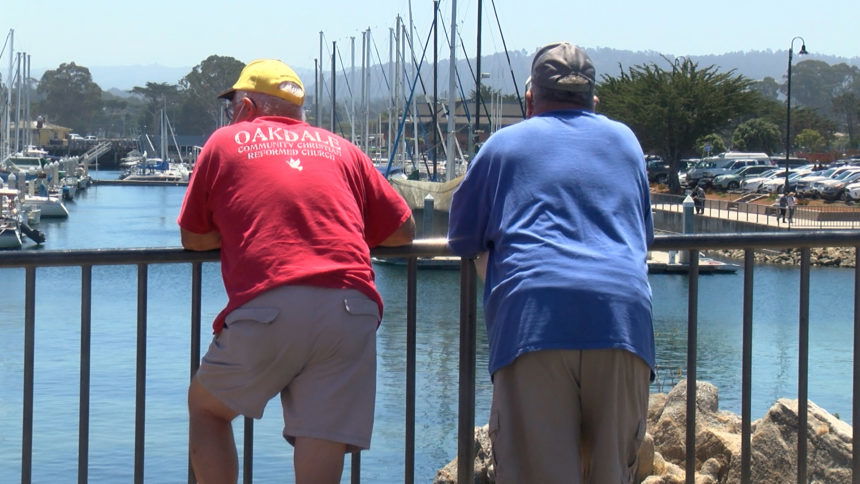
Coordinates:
[200,242]
[404,234]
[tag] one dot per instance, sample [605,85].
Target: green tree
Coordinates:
[847,107]
[158,96]
[669,109]
[809,141]
[715,141]
[767,87]
[69,96]
[200,110]
[815,83]
[757,135]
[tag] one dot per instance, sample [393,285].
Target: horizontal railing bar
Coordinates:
[431,248]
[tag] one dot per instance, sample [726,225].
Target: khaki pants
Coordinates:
[569,416]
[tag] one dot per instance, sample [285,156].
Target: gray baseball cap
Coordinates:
[563,67]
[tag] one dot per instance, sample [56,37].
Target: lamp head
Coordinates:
[802,50]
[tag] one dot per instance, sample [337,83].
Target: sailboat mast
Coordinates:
[389,138]
[416,73]
[352,86]
[18,108]
[320,84]
[435,109]
[333,87]
[317,92]
[478,73]
[450,169]
[365,57]
[7,147]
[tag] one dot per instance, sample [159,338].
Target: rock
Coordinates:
[645,459]
[670,432]
[656,403]
[774,446]
[483,466]
[818,256]
[718,444]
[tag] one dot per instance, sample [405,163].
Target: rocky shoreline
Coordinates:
[662,455]
[819,256]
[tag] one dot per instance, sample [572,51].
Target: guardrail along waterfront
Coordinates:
[35,261]
[805,217]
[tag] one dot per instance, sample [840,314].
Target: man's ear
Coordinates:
[530,104]
[246,110]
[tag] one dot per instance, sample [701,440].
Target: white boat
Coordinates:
[156,169]
[50,207]
[10,219]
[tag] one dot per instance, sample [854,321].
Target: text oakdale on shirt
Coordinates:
[277,141]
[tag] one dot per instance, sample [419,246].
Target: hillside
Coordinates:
[752,64]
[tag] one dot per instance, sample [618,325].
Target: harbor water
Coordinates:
[134,216]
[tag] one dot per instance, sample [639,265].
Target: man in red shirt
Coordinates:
[295,210]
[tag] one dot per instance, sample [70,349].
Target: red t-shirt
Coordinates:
[294,204]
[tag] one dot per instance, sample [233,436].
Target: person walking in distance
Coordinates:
[295,210]
[699,199]
[783,207]
[566,297]
[790,204]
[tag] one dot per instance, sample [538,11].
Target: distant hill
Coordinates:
[753,64]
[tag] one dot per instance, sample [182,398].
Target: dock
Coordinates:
[140,183]
[666,263]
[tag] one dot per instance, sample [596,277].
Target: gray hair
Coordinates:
[267,105]
[581,99]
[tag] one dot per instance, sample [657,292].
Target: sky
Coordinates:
[182,33]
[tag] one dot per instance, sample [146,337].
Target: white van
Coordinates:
[727,162]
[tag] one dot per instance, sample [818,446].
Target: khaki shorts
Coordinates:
[316,347]
[569,416]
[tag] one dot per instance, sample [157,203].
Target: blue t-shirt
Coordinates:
[561,203]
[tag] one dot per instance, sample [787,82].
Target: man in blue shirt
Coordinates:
[558,205]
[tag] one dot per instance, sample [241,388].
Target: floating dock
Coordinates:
[667,263]
[140,183]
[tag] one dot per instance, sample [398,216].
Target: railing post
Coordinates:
[84,398]
[803,368]
[140,375]
[466,421]
[692,387]
[411,341]
[248,451]
[29,373]
[746,369]
[194,330]
[855,402]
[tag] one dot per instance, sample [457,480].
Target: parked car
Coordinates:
[777,183]
[752,184]
[851,193]
[831,189]
[658,169]
[90,137]
[75,136]
[732,181]
[805,183]
[710,167]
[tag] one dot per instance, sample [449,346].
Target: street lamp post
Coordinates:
[788,107]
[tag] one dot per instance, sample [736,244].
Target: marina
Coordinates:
[108,216]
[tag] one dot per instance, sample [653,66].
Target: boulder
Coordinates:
[483,466]
[718,444]
[670,431]
[774,446]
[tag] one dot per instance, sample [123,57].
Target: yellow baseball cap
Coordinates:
[272,77]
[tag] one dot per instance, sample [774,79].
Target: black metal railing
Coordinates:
[31,261]
[803,216]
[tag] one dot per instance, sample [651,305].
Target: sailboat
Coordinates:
[159,169]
